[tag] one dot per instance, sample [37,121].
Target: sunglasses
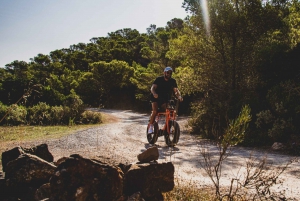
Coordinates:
[169,72]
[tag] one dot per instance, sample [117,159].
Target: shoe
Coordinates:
[150,130]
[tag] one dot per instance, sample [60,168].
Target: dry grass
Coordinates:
[190,191]
[17,134]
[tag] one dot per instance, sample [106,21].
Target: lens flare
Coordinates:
[205,14]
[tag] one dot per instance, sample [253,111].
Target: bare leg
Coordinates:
[154,112]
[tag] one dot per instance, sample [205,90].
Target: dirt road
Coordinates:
[124,139]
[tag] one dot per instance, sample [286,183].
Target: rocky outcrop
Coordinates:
[29,177]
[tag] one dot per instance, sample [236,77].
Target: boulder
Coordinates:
[78,178]
[10,155]
[151,154]
[149,179]
[28,170]
[40,150]
[27,173]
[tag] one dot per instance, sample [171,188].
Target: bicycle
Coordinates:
[169,128]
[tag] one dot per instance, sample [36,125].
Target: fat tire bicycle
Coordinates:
[165,124]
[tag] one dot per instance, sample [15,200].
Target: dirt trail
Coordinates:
[124,139]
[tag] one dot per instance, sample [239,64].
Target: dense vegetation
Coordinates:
[235,53]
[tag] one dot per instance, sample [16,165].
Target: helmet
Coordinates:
[167,69]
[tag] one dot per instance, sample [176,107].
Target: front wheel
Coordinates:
[172,137]
[152,138]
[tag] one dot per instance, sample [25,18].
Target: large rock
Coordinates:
[80,179]
[29,170]
[151,154]
[149,179]
[40,150]
[10,155]
[27,173]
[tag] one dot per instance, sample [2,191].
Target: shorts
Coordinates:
[158,100]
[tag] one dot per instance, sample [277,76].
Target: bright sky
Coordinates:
[30,27]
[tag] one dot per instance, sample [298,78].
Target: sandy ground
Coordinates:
[125,137]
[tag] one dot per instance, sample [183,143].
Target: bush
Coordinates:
[39,114]
[3,110]
[90,117]
[15,115]
[57,115]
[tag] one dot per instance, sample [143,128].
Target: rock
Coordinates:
[27,173]
[151,154]
[3,191]
[10,155]
[43,192]
[40,151]
[78,178]
[28,170]
[149,179]
[277,146]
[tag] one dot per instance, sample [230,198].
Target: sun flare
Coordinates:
[205,14]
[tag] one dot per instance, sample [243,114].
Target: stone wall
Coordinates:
[31,174]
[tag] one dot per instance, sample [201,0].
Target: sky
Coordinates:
[31,27]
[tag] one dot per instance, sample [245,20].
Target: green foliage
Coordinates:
[90,117]
[233,58]
[39,114]
[3,111]
[108,77]
[44,114]
[235,132]
[16,115]
[57,115]
[142,79]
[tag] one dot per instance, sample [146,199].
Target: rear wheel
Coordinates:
[172,137]
[152,138]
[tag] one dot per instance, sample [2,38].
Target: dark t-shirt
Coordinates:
[164,88]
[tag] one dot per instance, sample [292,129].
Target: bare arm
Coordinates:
[153,88]
[178,94]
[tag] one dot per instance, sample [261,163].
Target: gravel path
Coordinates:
[124,139]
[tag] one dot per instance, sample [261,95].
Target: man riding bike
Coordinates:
[161,91]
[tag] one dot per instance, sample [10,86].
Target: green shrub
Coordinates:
[57,115]
[39,114]
[16,115]
[3,110]
[90,117]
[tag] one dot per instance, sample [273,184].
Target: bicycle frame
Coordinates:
[169,114]
[170,129]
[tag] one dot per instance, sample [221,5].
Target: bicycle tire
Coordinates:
[172,137]
[152,138]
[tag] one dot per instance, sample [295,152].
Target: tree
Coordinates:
[110,76]
[221,49]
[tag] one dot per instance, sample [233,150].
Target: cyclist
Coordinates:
[161,91]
